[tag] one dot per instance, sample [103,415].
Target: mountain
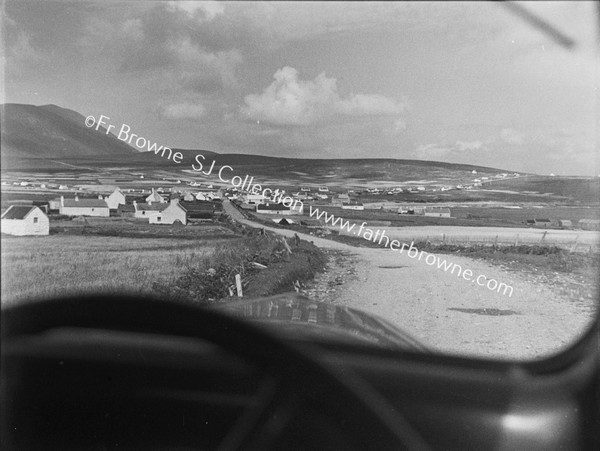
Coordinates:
[49,137]
[37,136]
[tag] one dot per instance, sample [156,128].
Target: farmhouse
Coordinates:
[115,199]
[25,220]
[437,212]
[273,209]
[146,210]
[83,207]
[155,197]
[172,214]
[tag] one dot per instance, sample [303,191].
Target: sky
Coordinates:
[460,82]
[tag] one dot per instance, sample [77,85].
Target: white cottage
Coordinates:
[25,220]
[154,197]
[83,207]
[170,215]
[148,210]
[115,199]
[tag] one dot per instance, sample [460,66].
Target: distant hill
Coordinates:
[50,137]
[37,136]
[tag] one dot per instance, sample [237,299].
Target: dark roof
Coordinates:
[197,206]
[17,211]
[86,203]
[125,207]
[154,206]
[272,207]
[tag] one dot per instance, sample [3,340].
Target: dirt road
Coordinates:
[446,312]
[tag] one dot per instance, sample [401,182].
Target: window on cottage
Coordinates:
[35,220]
[158,218]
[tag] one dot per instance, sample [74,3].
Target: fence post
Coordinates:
[517,240]
[443,238]
[574,245]
[544,236]
[238,285]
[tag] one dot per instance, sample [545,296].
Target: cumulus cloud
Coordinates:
[468,145]
[183,111]
[208,9]
[291,101]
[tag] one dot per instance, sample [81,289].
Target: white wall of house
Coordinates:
[174,212]
[35,223]
[115,199]
[85,211]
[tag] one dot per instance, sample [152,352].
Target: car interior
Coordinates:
[108,372]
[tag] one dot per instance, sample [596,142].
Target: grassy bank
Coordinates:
[267,264]
[76,264]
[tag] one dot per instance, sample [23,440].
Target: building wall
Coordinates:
[85,211]
[114,200]
[438,215]
[146,214]
[27,226]
[169,215]
[275,212]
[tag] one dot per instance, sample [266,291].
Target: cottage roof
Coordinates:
[151,207]
[272,207]
[198,206]
[589,221]
[17,211]
[85,203]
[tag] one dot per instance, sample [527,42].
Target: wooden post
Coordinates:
[574,246]
[238,285]
[517,240]
[544,236]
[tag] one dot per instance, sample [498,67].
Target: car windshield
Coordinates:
[415,175]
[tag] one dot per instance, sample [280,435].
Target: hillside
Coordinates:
[38,136]
[49,137]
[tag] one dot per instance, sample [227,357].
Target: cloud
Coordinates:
[183,111]
[208,9]
[291,101]
[468,145]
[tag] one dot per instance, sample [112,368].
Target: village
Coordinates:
[34,209]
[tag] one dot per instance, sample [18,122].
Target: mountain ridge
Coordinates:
[34,137]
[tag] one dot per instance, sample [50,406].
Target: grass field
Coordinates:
[42,267]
